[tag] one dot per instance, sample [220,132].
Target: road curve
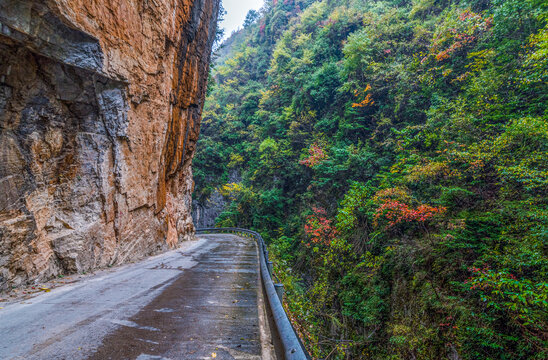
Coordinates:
[202,302]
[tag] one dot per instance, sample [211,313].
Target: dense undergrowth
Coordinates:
[394,153]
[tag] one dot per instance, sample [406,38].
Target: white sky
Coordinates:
[236,10]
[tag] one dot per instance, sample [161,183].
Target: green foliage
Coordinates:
[523,299]
[353,204]
[394,153]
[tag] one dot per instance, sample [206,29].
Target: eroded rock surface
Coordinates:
[100,105]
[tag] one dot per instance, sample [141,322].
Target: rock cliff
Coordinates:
[100,105]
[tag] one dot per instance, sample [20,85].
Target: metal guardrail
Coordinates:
[293,349]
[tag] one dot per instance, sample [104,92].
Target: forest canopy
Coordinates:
[394,154]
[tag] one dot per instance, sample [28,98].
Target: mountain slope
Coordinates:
[395,154]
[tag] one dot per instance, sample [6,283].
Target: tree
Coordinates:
[251,17]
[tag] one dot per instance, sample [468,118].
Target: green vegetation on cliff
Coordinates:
[395,155]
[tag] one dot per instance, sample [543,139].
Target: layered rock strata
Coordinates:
[100,105]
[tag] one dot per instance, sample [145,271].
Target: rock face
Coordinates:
[206,211]
[204,214]
[100,105]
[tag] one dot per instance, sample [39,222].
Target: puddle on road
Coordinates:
[134,325]
[151,357]
[164,310]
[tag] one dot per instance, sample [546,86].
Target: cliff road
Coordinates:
[202,301]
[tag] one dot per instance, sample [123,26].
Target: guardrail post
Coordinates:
[270,266]
[280,291]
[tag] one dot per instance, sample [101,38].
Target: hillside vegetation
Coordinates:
[394,153]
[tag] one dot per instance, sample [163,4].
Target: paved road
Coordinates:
[198,302]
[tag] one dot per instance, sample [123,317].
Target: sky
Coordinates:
[236,10]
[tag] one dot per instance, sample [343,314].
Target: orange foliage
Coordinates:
[365,102]
[319,228]
[397,212]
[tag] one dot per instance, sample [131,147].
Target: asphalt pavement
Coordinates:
[202,301]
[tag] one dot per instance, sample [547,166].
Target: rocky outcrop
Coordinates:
[205,213]
[100,105]
[206,210]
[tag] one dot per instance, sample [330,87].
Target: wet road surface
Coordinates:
[198,302]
